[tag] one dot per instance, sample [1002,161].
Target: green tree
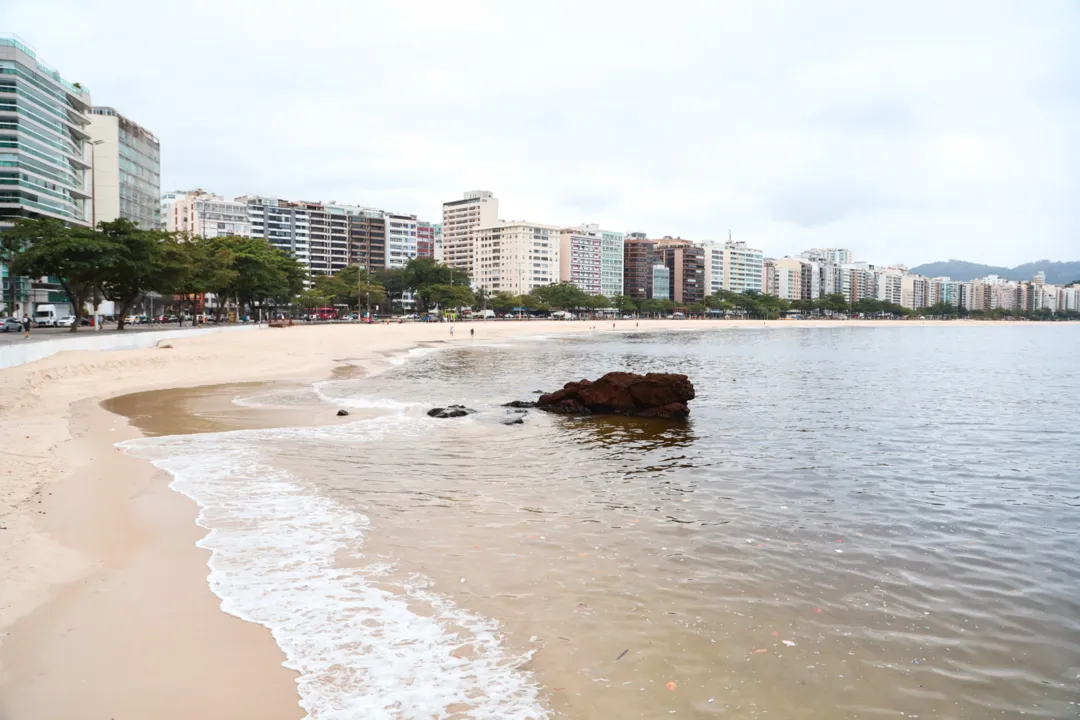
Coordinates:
[834,302]
[504,302]
[77,257]
[140,261]
[450,296]
[395,284]
[562,296]
[625,304]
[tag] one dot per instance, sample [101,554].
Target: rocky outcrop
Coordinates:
[520,404]
[660,395]
[342,413]
[451,411]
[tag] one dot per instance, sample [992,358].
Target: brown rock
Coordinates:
[662,395]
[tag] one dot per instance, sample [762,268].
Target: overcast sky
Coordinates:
[908,131]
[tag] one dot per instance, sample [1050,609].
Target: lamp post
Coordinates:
[93,214]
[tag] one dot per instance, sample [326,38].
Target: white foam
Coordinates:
[360,650]
[322,389]
[412,354]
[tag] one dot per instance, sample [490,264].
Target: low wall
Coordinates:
[16,353]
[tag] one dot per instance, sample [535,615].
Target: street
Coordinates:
[51,333]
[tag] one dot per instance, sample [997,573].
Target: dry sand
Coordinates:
[104,608]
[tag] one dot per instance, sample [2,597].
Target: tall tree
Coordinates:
[139,262]
[77,257]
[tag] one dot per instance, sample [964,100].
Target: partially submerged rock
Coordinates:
[520,404]
[342,413]
[451,411]
[660,395]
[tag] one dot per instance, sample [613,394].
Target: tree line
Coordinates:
[120,262]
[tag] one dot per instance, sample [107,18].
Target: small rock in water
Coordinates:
[451,411]
[513,420]
[342,413]
[520,404]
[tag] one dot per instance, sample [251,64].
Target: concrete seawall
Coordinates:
[15,354]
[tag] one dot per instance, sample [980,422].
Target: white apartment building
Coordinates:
[516,257]
[126,169]
[198,212]
[913,292]
[714,267]
[742,267]
[837,256]
[581,252]
[787,277]
[462,220]
[889,286]
[612,259]
[283,224]
[400,240]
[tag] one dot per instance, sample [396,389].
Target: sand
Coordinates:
[104,609]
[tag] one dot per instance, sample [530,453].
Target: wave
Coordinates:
[353,633]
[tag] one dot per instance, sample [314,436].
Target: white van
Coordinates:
[49,315]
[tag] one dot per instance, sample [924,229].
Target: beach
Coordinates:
[105,610]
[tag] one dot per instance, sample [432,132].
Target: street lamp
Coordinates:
[93,214]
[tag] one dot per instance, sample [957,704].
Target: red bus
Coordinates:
[327,313]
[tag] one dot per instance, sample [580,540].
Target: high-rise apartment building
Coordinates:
[462,220]
[786,278]
[125,164]
[612,257]
[201,213]
[581,251]
[714,267]
[837,256]
[400,239]
[639,256]
[661,282]
[44,170]
[686,262]
[425,238]
[367,239]
[285,225]
[516,257]
[742,267]
[890,285]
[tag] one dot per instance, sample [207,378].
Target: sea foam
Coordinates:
[365,645]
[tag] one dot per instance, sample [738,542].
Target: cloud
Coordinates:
[906,131]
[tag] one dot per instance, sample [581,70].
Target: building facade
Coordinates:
[639,257]
[44,121]
[425,239]
[714,267]
[367,239]
[125,165]
[581,252]
[787,278]
[516,257]
[661,282]
[44,170]
[686,262]
[400,240]
[462,220]
[612,258]
[198,212]
[742,267]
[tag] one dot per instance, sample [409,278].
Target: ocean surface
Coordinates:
[855,523]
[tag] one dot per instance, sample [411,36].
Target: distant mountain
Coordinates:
[1057,273]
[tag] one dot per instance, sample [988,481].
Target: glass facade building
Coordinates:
[43,140]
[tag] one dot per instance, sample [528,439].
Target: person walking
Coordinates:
[472,332]
[26,327]
[451,330]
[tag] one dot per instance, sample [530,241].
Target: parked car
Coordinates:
[11,325]
[66,321]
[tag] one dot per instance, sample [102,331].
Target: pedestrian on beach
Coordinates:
[26,327]
[472,332]
[451,331]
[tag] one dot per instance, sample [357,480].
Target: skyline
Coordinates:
[907,136]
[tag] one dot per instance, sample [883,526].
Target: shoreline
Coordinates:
[131,514]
